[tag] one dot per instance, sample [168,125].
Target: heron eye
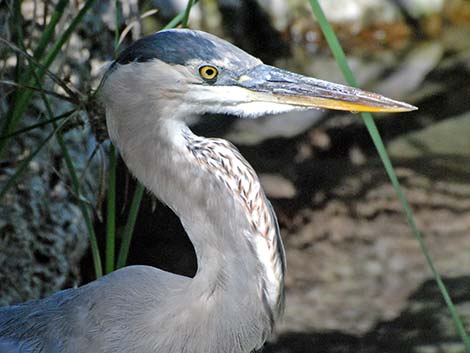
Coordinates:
[208,73]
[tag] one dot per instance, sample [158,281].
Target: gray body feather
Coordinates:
[134,310]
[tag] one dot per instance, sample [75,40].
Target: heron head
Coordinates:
[193,72]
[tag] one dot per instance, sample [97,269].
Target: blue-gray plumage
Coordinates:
[237,294]
[177,47]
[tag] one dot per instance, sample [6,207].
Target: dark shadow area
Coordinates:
[250,27]
[159,239]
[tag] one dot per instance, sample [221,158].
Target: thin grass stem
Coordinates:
[38,125]
[111,211]
[130,225]
[36,89]
[110,250]
[48,32]
[184,20]
[178,18]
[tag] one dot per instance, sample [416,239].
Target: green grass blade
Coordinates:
[36,89]
[374,133]
[110,251]
[48,32]
[175,21]
[179,18]
[184,20]
[50,57]
[333,43]
[18,22]
[129,228]
[83,207]
[52,54]
[111,211]
[38,125]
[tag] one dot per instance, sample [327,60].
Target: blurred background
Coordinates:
[357,280]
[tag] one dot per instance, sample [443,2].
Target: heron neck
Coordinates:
[162,155]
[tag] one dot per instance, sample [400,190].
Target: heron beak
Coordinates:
[270,84]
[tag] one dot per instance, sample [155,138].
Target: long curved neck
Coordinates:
[228,219]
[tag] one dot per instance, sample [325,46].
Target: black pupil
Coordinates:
[210,72]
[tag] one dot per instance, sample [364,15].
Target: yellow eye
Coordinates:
[208,72]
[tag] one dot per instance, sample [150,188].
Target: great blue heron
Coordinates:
[237,294]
